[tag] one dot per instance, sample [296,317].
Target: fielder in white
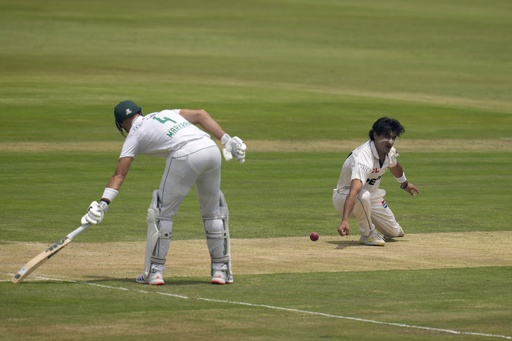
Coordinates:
[193,158]
[358,194]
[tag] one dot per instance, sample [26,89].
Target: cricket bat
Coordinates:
[41,258]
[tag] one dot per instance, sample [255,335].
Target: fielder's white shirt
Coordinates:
[159,134]
[363,164]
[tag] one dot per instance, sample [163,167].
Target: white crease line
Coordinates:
[394,324]
[402,325]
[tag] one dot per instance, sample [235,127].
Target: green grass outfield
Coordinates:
[302,82]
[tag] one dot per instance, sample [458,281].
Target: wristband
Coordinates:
[225,138]
[405,184]
[110,194]
[401,179]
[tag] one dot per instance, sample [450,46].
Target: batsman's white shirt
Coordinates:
[159,134]
[363,164]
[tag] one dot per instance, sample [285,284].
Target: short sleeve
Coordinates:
[360,170]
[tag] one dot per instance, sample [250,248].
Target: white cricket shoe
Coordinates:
[220,277]
[373,239]
[154,278]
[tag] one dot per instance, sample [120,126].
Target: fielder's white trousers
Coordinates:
[371,211]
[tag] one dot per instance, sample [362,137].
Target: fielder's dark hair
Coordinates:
[386,125]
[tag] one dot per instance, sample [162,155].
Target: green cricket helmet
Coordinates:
[124,110]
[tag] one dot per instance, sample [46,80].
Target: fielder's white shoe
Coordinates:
[220,277]
[373,239]
[154,278]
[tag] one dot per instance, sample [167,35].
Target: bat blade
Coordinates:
[40,259]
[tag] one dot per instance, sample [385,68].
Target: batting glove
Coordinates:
[233,148]
[95,213]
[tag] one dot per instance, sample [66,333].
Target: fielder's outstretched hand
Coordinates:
[411,189]
[95,213]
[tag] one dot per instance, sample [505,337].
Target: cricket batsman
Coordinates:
[192,158]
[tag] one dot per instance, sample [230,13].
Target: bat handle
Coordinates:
[77,231]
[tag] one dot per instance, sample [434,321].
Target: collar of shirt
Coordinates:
[374,151]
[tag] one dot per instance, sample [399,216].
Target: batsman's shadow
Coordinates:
[126,280]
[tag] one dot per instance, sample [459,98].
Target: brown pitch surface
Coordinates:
[189,258]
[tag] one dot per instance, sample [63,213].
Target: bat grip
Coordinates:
[77,231]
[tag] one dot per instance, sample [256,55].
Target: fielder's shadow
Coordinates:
[343,244]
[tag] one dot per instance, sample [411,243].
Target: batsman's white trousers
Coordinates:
[371,211]
[199,163]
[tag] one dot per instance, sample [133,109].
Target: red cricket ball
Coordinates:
[314,236]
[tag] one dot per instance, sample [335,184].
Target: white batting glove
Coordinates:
[95,213]
[233,148]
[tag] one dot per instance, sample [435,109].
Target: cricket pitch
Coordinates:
[189,258]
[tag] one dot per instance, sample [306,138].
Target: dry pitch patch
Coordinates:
[443,145]
[189,258]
